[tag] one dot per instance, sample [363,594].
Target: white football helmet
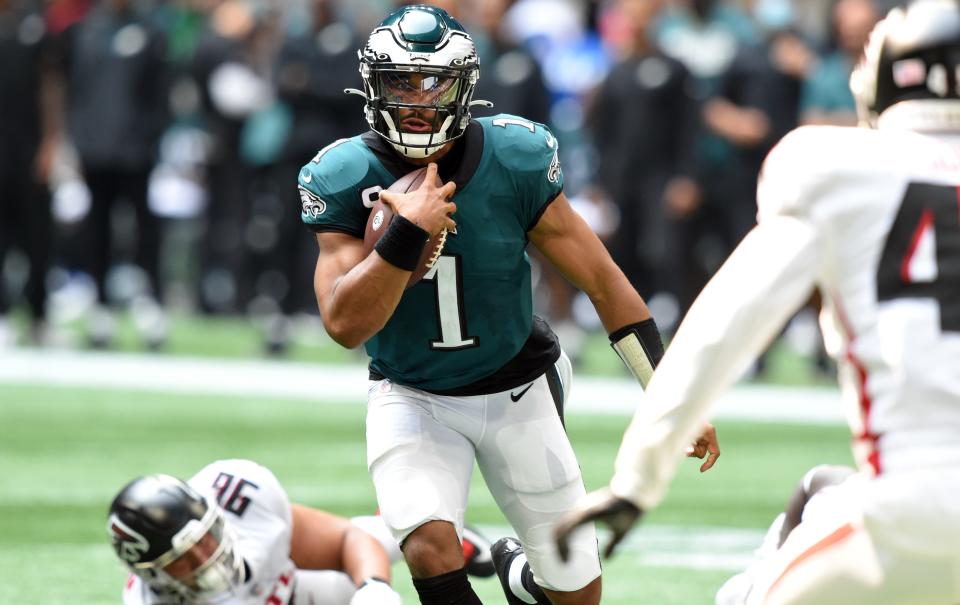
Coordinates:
[908,76]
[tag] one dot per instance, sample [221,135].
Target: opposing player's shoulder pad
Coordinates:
[328,185]
[797,168]
[528,156]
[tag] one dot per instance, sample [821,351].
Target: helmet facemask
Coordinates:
[418,108]
[202,563]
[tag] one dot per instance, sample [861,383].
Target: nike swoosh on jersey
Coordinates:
[516,397]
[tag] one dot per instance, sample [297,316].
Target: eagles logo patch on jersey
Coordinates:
[553,173]
[312,206]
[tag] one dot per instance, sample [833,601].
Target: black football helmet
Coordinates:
[155,520]
[908,75]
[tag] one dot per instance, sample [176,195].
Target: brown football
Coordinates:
[381,215]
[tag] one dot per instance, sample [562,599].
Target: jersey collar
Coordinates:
[459,165]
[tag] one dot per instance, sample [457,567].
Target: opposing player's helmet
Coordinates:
[909,71]
[156,520]
[419,70]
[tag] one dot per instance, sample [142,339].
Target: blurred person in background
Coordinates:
[61,14]
[643,121]
[116,110]
[826,93]
[812,18]
[512,79]
[30,131]
[311,72]
[756,103]
[706,36]
[232,69]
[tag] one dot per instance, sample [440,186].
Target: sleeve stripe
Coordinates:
[335,229]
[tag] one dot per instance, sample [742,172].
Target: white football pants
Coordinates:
[421,449]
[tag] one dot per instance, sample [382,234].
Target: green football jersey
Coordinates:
[473,311]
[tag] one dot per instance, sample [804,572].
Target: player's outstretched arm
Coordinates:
[321,540]
[765,280]
[761,285]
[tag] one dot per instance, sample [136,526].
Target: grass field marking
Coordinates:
[714,548]
[320,383]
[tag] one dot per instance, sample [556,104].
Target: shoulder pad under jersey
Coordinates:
[329,186]
[529,153]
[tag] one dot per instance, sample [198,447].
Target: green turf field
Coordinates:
[239,338]
[64,452]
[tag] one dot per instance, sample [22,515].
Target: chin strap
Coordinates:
[354,91]
[481,103]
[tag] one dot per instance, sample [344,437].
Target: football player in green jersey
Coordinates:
[461,370]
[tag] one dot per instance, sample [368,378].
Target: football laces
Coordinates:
[436,251]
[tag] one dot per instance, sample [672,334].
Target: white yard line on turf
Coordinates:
[704,548]
[344,383]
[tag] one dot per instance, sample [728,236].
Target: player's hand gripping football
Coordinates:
[619,514]
[428,206]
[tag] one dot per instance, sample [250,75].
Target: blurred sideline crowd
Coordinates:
[149,150]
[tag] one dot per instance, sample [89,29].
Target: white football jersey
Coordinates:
[257,510]
[872,219]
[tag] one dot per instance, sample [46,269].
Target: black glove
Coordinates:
[618,514]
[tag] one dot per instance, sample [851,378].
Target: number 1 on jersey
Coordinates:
[447,273]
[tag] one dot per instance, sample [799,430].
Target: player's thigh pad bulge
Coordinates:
[395,420]
[532,456]
[420,468]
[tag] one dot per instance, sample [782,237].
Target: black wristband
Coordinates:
[648,335]
[402,244]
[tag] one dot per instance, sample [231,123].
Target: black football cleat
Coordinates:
[476,554]
[505,553]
